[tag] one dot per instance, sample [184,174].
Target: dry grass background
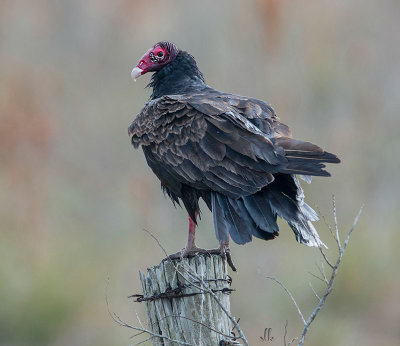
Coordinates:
[75,196]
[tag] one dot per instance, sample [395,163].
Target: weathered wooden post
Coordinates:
[181,301]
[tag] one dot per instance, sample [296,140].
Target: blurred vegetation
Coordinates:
[75,195]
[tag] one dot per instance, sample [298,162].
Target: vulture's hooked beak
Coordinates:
[136,73]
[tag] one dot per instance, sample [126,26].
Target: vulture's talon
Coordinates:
[186,253]
[229,260]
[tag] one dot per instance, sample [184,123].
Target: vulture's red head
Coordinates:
[161,54]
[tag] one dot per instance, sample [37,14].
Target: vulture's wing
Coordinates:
[208,141]
[304,158]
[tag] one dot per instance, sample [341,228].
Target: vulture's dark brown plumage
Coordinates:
[231,151]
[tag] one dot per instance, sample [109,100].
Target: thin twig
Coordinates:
[290,295]
[352,228]
[135,335]
[325,257]
[326,222]
[142,342]
[158,242]
[318,297]
[140,322]
[284,336]
[322,272]
[316,276]
[336,223]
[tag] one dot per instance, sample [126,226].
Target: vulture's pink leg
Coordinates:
[191,249]
[190,245]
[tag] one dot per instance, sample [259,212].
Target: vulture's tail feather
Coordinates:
[262,215]
[305,158]
[242,219]
[286,199]
[231,218]
[255,215]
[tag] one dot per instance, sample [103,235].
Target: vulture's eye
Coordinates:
[160,54]
[152,57]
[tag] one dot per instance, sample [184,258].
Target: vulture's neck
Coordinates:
[178,77]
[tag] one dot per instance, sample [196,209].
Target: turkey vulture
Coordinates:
[232,151]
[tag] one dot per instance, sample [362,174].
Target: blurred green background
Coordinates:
[75,196]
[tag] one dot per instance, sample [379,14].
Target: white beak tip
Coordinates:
[136,73]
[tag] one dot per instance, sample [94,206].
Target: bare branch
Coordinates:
[140,322]
[322,272]
[318,297]
[158,242]
[336,223]
[142,342]
[290,295]
[135,335]
[284,336]
[332,278]
[329,283]
[346,241]
[318,242]
[326,222]
[316,276]
[325,257]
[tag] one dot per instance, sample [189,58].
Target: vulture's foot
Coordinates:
[194,250]
[225,250]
